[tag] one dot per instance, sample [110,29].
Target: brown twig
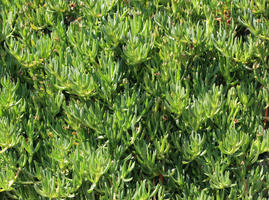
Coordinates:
[161,177]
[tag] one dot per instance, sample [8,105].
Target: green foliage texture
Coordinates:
[134,99]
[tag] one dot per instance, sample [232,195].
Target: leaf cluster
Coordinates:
[134,99]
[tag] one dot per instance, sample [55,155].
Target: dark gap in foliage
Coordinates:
[242,32]
[264,156]
[47,31]
[68,19]
[67,96]
[2,45]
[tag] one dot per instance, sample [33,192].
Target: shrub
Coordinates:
[134,99]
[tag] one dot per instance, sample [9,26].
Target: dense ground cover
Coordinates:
[114,99]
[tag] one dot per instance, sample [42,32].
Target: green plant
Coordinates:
[134,99]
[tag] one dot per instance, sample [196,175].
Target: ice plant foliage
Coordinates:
[134,99]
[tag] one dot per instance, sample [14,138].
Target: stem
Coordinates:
[265,116]
[161,177]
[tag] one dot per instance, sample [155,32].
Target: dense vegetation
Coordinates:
[134,99]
